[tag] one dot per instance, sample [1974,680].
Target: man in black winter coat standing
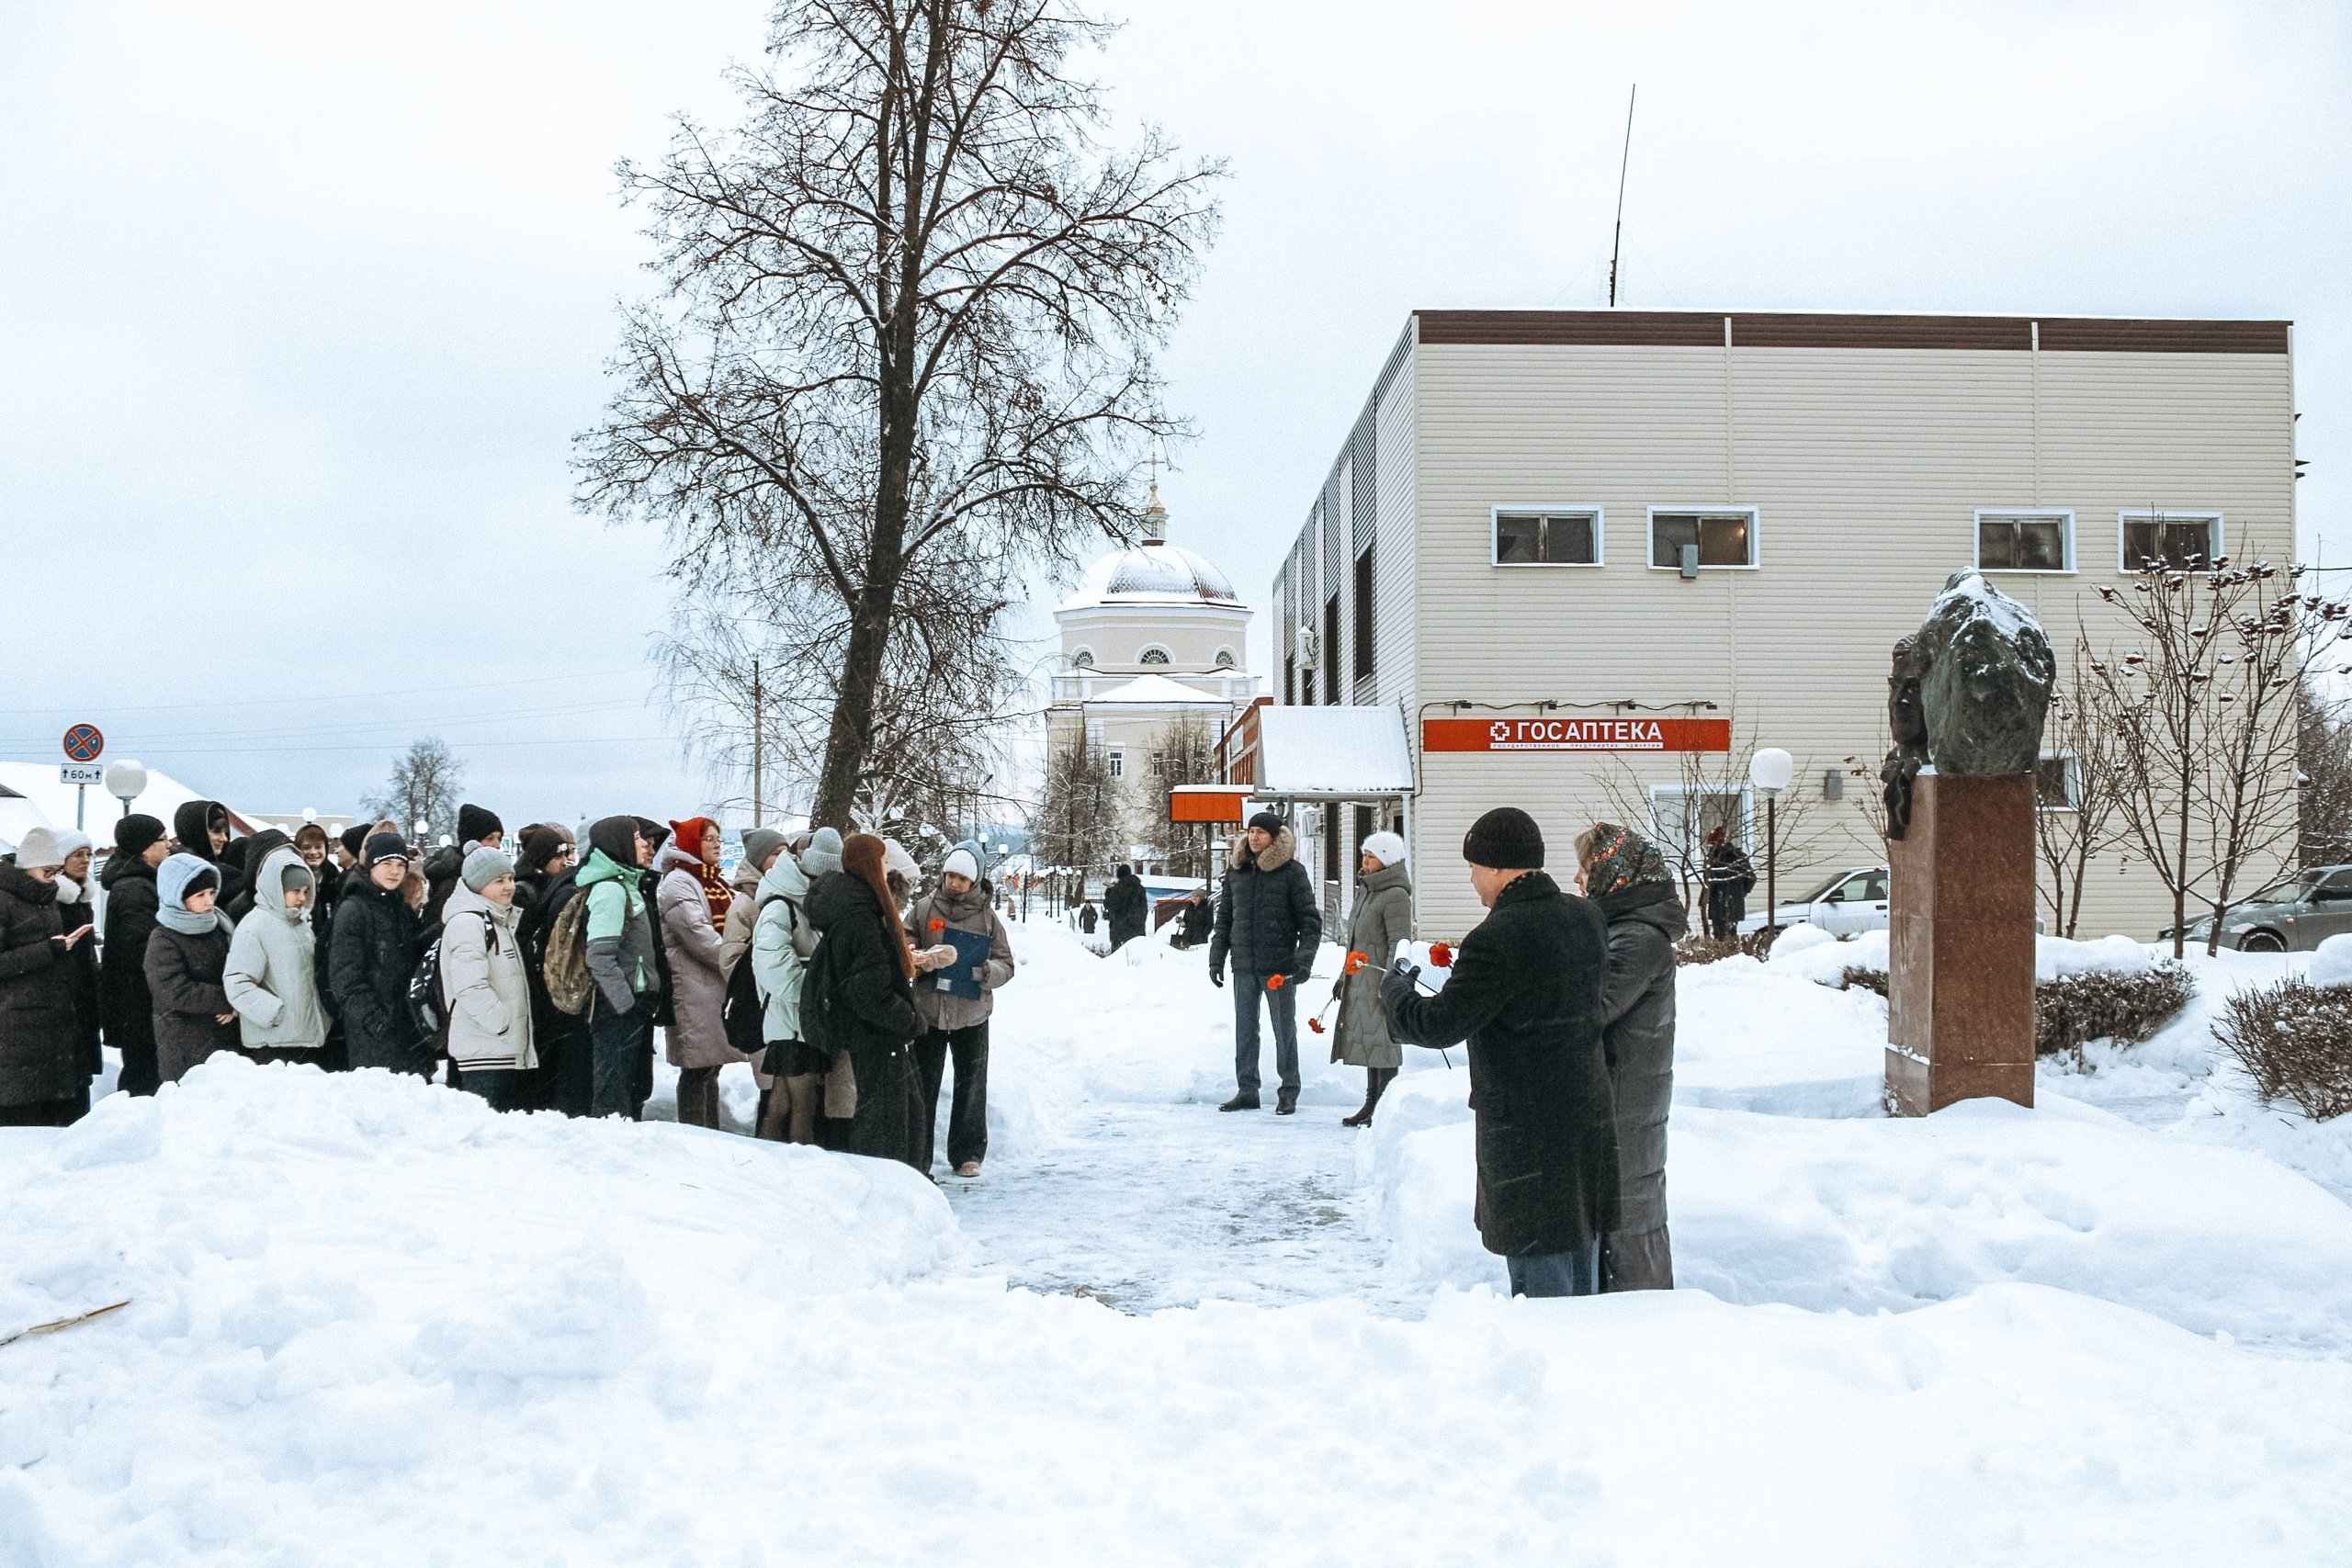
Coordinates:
[1129,906]
[1268,922]
[1526,992]
[126,1012]
[375,952]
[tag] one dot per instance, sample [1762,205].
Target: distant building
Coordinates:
[1587,558]
[1152,634]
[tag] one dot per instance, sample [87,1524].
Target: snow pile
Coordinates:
[1822,956]
[2332,962]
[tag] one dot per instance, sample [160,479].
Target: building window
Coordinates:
[1363,663]
[1681,820]
[1226,659]
[2186,541]
[1555,536]
[1160,764]
[2025,541]
[1725,536]
[1290,680]
[1118,763]
[1329,651]
[1155,654]
[1082,660]
[2058,782]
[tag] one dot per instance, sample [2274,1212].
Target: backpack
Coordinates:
[742,1011]
[565,969]
[821,1025]
[426,1005]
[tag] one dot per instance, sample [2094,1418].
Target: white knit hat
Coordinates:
[959,863]
[1388,849]
[895,858]
[39,847]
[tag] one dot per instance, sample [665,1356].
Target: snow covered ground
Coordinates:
[369,1322]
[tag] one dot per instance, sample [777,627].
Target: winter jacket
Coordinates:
[41,1056]
[735,930]
[874,1002]
[187,976]
[75,910]
[1267,917]
[1382,918]
[940,1009]
[1644,922]
[541,899]
[1730,878]
[375,955]
[485,984]
[1526,992]
[698,1032]
[191,825]
[125,1010]
[443,870]
[781,939]
[257,851]
[619,934]
[1129,906]
[272,978]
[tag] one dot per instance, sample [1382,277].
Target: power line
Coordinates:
[377,746]
[346,696]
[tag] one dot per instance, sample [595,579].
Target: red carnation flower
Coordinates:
[1276,982]
[937,924]
[1441,955]
[1315,1024]
[1355,962]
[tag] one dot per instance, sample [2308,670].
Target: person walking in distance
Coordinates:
[272,977]
[44,1074]
[1268,923]
[1730,878]
[619,934]
[126,1012]
[187,963]
[487,989]
[1382,918]
[1526,992]
[375,952]
[1626,879]
[953,1003]
[690,900]
[1128,907]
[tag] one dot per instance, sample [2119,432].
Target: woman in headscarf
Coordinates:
[690,913]
[1382,918]
[44,1077]
[1623,874]
[867,971]
[187,962]
[200,827]
[77,908]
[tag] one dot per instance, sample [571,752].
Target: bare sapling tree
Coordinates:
[2202,689]
[1183,753]
[1077,820]
[914,304]
[2324,754]
[423,788]
[2075,794]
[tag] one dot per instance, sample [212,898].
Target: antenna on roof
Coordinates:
[1617,240]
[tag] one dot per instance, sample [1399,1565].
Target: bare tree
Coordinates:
[2076,792]
[1077,822]
[1184,753]
[423,788]
[912,303]
[2204,702]
[2324,755]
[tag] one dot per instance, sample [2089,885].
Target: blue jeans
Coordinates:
[1574,1273]
[1282,1007]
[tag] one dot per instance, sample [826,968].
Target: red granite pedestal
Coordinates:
[1959,977]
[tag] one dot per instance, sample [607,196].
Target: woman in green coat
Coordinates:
[1383,918]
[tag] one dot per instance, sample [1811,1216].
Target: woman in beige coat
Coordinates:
[1382,918]
[485,985]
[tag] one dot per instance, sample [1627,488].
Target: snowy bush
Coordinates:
[1854,977]
[2127,1007]
[2295,1040]
[1698,948]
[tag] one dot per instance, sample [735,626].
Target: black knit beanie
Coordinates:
[476,824]
[135,834]
[384,847]
[1505,839]
[353,838]
[540,844]
[1269,821]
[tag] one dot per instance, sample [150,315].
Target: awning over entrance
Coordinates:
[1318,753]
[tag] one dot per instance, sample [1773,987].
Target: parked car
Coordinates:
[2294,914]
[1854,900]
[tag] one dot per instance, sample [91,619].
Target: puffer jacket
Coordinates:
[76,909]
[1644,922]
[185,975]
[781,939]
[485,983]
[698,1032]
[619,933]
[1267,918]
[40,1057]
[939,1008]
[125,1010]
[272,976]
[1382,918]
[375,955]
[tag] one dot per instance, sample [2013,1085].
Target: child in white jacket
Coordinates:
[272,976]
[487,989]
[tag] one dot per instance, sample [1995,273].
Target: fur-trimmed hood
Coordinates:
[1275,855]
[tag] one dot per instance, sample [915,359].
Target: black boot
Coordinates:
[1245,1100]
[1286,1102]
[1374,1080]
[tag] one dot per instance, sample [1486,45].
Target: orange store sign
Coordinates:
[1576,734]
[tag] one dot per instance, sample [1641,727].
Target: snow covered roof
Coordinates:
[1157,689]
[51,802]
[1152,573]
[1330,753]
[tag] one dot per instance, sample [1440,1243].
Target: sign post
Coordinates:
[82,745]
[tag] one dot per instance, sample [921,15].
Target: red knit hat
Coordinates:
[687,835]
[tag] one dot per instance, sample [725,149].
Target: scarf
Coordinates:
[172,879]
[688,835]
[1623,859]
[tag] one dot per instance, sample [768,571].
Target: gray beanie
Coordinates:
[759,843]
[486,865]
[823,853]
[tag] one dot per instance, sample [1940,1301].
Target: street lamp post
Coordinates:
[1771,769]
[126,781]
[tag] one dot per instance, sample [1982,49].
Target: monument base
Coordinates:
[1959,972]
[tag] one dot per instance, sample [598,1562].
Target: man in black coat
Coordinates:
[375,953]
[1129,906]
[1525,991]
[1731,876]
[126,1011]
[1268,923]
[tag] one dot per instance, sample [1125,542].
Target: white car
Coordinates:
[1854,900]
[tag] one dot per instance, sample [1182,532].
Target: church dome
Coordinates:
[1153,572]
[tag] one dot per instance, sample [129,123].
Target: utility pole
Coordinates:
[1618,239]
[758,757]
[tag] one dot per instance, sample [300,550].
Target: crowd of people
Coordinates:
[531,975]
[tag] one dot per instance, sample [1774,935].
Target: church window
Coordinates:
[1225,658]
[1155,654]
[1082,660]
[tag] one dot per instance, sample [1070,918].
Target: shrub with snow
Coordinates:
[2126,1006]
[2294,1040]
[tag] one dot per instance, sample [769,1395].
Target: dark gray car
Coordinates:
[2294,914]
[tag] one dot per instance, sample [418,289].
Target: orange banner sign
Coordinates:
[1550,733]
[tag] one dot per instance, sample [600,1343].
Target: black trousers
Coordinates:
[567,1072]
[46,1113]
[968,1115]
[621,1047]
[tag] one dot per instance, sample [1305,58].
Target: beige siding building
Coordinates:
[1690,516]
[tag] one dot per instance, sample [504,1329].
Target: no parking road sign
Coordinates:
[83,743]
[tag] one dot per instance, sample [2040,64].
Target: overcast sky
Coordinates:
[300,306]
